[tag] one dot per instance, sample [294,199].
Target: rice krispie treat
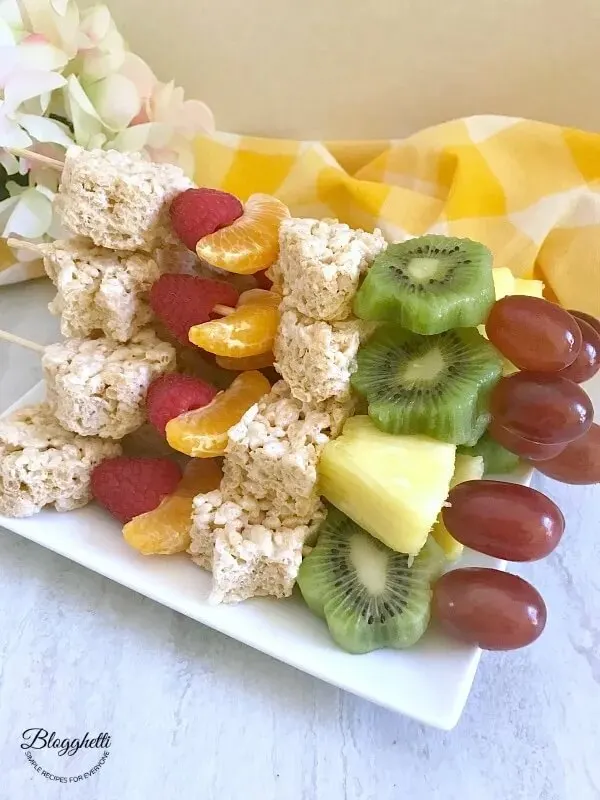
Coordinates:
[97,387]
[99,289]
[272,454]
[320,264]
[119,200]
[42,464]
[251,531]
[248,556]
[316,359]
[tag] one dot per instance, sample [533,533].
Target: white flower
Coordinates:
[27,212]
[116,101]
[109,96]
[166,125]
[101,46]
[56,20]
[19,128]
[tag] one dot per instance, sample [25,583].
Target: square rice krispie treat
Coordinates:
[272,455]
[97,387]
[118,200]
[316,359]
[99,289]
[43,464]
[248,558]
[320,264]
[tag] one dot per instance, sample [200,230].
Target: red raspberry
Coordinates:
[172,395]
[128,487]
[181,301]
[196,213]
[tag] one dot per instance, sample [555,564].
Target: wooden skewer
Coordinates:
[23,244]
[14,339]
[224,311]
[53,163]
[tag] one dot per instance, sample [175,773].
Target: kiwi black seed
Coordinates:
[429,285]
[369,595]
[497,460]
[434,385]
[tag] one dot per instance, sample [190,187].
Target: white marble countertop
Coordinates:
[192,712]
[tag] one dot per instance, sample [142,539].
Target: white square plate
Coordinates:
[430,682]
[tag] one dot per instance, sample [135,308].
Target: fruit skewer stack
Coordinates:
[96,381]
[428,381]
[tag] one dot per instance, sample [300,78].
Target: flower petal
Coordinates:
[61,30]
[60,6]
[116,101]
[30,217]
[160,102]
[195,117]
[9,12]
[95,22]
[46,192]
[132,139]
[97,141]
[26,84]
[97,64]
[6,207]
[9,162]
[11,134]
[9,62]
[42,55]
[43,129]
[136,69]
[6,35]
[83,115]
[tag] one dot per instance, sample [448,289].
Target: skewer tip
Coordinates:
[53,163]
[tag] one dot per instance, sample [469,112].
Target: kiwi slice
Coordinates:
[429,285]
[370,596]
[435,385]
[497,459]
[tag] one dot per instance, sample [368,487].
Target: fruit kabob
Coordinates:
[429,381]
[97,380]
[432,379]
[105,386]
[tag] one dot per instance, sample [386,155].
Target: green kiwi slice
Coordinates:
[497,460]
[370,596]
[429,285]
[435,385]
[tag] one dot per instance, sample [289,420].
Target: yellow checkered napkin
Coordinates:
[528,190]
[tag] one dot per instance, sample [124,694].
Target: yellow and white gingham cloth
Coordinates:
[528,190]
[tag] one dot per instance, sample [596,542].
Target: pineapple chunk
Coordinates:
[467,468]
[504,282]
[392,486]
[531,288]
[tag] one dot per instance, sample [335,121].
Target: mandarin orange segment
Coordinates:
[203,433]
[242,364]
[251,242]
[166,530]
[259,297]
[248,331]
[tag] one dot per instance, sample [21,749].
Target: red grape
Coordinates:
[542,408]
[532,451]
[504,520]
[533,333]
[595,323]
[489,608]
[579,463]
[587,363]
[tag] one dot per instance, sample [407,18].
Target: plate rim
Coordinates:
[446,720]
